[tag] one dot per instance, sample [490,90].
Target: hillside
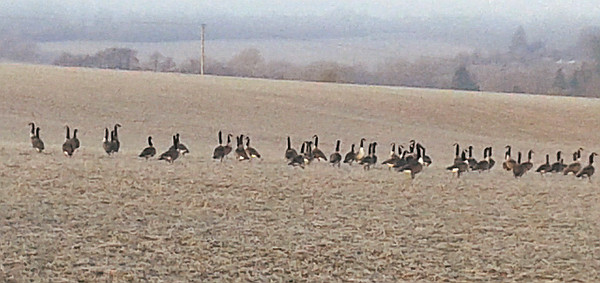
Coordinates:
[94,217]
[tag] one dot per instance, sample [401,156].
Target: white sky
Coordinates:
[516,9]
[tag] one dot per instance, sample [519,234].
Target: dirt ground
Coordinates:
[98,218]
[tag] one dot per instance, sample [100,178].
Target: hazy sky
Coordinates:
[523,10]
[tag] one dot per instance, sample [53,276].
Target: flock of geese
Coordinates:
[410,160]
[462,163]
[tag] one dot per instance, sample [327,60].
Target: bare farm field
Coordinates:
[95,217]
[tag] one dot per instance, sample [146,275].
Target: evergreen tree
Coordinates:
[559,80]
[462,80]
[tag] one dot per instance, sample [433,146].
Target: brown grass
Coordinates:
[98,218]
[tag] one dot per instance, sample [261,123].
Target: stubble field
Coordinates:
[98,218]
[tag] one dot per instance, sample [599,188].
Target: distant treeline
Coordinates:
[525,67]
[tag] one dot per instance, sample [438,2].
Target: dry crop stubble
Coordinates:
[95,217]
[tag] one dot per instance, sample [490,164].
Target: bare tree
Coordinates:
[248,63]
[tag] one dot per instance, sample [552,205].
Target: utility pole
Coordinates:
[202,50]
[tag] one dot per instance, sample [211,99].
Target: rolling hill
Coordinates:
[95,217]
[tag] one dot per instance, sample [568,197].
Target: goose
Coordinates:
[574,167]
[472,162]
[252,152]
[308,155]
[32,132]
[588,170]
[457,155]
[546,167]
[371,158]
[361,151]
[227,148]
[491,161]
[106,144]
[298,160]
[116,144]
[508,163]
[414,165]
[367,159]
[290,153]
[67,146]
[172,153]
[219,151]
[518,168]
[36,141]
[559,165]
[483,164]
[426,160]
[240,152]
[316,152]
[459,167]
[75,140]
[410,155]
[181,147]
[335,158]
[149,151]
[403,160]
[527,164]
[350,156]
[393,156]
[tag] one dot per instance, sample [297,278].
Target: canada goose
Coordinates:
[298,160]
[32,132]
[149,151]
[335,158]
[483,164]
[227,148]
[114,138]
[172,153]
[527,164]
[181,147]
[308,155]
[252,152]
[574,167]
[350,156]
[106,144]
[367,159]
[491,161]
[316,152]
[371,158]
[67,146]
[460,166]
[75,140]
[472,161]
[361,151]
[219,151]
[410,155]
[457,155]
[589,169]
[413,166]
[240,152]
[508,163]
[425,159]
[36,141]
[546,167]
[403,160]
[559,165]
[114,142]
[518,168]
[290,153]
[393,157]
